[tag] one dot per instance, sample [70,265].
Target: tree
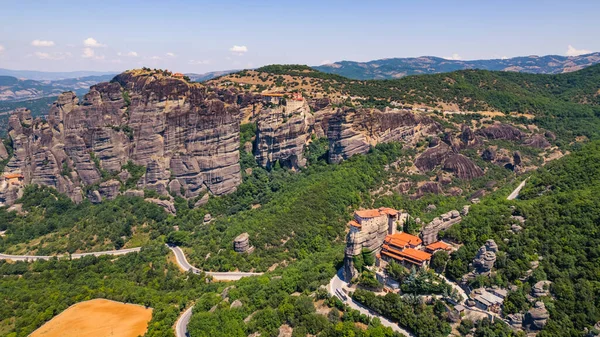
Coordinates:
[439,260]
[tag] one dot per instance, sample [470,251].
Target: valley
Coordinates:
[235,198]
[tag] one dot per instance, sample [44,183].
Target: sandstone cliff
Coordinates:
[283,132]
[178,131]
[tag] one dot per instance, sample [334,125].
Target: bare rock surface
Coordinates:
[148,117]
[462,167]
[282,134]
[502,131]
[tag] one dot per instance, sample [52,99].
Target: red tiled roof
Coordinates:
[438,245]
[272,95]
[13,175]
[388,211]
[354,224]
[400,238]
[417,255]
[368,213]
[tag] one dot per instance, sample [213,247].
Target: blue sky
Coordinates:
[200,36]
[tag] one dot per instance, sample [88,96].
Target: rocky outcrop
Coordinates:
[433,157]
[486,257]
[109,189]
[488,154]
[462,167]
[282,134]
[168,206]
[537,141]
[443,222]
[177,130]
[538,316]
[351,131]
[502,131]
[241,244]
[3,152]
[541,288]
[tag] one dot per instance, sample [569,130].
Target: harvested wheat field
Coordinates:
[98,318]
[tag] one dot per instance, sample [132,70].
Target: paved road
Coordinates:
[515,193]
[335,288]
[219,276]
[73,256]
[182,323]
[460,290]
[184,319]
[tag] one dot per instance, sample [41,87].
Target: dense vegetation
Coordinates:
[567,104]
[562,214]
[52,223]
[294,215]
[32,293]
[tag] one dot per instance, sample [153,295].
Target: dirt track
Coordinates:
[98,318]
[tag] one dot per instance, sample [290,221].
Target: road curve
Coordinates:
[515,193]
[73,256]
[335,288]
[182,323]
[219,276]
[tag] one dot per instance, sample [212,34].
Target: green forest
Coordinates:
[296,221]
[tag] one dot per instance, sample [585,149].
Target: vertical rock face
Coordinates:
[352,131]
[176,130]
[282,134]
[241,244]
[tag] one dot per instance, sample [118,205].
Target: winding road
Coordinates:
[218,276]
[336,288]
[182,323]
[73,256]
[184,319]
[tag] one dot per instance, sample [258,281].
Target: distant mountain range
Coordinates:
[15,89]
[52,76]
[400,67]
[209,75]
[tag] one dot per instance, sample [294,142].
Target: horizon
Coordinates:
[200,37]
[108,72]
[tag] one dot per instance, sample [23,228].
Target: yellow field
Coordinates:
[98,318]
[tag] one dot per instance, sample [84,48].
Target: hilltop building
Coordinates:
[178,75]
[368,230]
[404,249]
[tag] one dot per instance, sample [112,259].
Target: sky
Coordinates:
[202,36]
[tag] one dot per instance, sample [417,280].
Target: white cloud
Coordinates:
[2,49]
[52,56]
[504,58]
[42,43]
[170,55]
[326,62]
[238,50]
[199,62]
[454,57]
[155,58]
[91,42]
[130,54]
[571,51]
[88,53]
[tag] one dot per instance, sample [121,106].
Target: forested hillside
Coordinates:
[562,212]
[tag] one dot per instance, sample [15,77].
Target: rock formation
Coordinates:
[241,244]
[502,131]
[541,288]
[443,222]
[537,317]
[462,167]
[282,134]
[177,130]
[486,257]
[537,141]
